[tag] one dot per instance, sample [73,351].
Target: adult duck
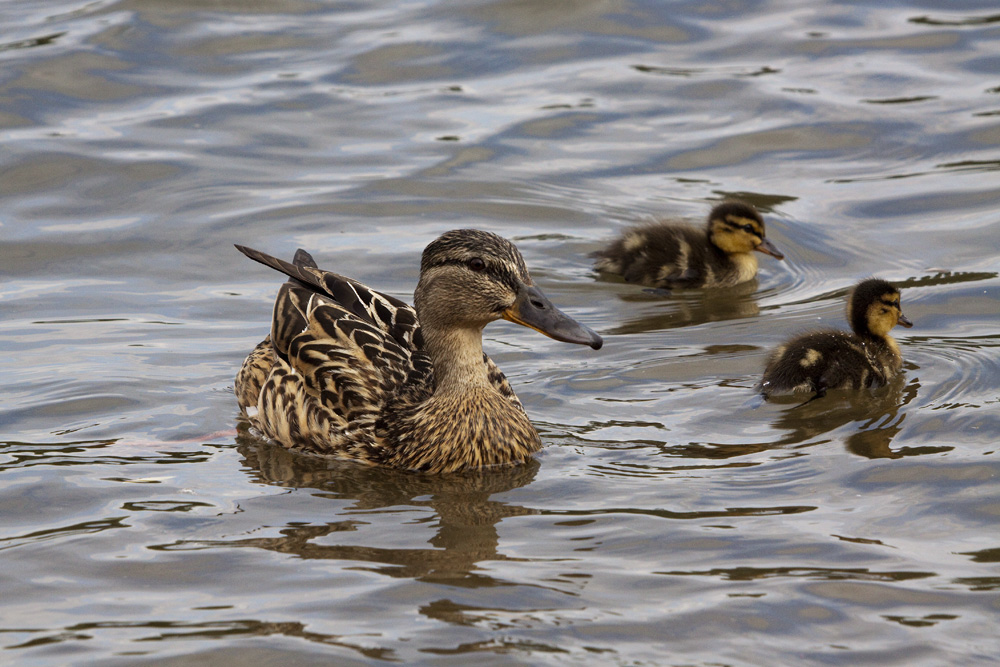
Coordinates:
[351,373]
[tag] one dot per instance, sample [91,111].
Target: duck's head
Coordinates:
[469,278]
[736,227]
[873,308]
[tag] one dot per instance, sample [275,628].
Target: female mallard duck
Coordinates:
[832,359]
[351,373]
[669,254]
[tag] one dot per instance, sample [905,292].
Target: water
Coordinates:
[671,518]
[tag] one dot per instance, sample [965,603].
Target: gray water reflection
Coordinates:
[670,517]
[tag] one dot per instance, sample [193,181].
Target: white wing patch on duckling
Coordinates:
[812,356]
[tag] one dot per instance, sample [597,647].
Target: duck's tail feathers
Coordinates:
[300,270]
[303,258]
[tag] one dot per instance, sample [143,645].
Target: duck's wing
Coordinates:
[339,352]
[499,381]
[395,318]
[327,390]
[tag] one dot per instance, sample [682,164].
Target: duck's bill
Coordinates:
[533,309]
[904,321]
[768,248]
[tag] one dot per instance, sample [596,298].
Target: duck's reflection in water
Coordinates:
[878,416]
[662,309]
[467,517]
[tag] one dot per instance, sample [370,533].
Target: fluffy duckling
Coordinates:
[832,359]
[670,254]
[350,373]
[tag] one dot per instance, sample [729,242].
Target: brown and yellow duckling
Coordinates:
[350,373]
[830,359]
[670,254]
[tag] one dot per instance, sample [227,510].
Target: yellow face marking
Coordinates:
[735,234]
[884,314]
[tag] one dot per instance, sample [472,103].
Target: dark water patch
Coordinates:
[163,506]
[902,100]
[820,574]
[32,42]
[958,22]
[173,631]
[94,452]
[84,528]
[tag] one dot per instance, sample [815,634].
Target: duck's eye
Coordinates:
[748,228]
[477,264]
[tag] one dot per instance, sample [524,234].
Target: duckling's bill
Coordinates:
[904,321]
[533,309]
[769,248]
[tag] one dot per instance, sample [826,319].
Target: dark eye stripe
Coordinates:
[500,274]
[446,262]
[739,227]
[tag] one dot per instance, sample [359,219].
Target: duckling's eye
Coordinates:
[477,264]
[748,228]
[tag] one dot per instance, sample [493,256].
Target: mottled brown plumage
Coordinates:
[351,373]
[670,254]
[830,359]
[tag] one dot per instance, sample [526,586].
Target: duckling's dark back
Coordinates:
[669,254]
[824,360]
[660,254]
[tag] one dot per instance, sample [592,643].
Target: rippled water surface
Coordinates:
[671,518]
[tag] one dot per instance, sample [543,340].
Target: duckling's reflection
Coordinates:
[879,415]
[671,310]
[467,517]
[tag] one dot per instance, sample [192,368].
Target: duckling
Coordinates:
[669,254]
[351,373]
[832,359]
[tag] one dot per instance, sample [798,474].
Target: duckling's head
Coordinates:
[736,227]
[469,278]
[873,308]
